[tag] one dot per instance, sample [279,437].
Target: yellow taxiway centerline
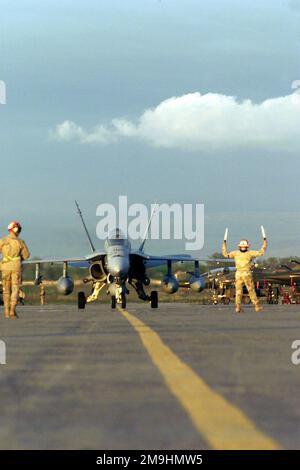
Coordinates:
[222,424]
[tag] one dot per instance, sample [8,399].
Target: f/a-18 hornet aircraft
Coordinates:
[117,266]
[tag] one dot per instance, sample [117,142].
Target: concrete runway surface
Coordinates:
[184,376]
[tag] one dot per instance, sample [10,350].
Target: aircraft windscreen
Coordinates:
[117,237]
[114,242]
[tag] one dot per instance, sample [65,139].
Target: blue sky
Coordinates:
[93,62]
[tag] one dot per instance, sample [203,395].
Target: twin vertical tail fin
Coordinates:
[141,248]
[85,227]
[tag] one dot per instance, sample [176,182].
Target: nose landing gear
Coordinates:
[114,301]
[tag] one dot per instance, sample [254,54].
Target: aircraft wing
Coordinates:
[152,261]
[80,262]
[73,262]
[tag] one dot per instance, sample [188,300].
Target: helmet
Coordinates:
[14,227]
[243,244]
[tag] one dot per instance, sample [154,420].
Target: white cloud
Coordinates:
[202,122]
[69,131]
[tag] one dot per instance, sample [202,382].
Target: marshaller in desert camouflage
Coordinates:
[243,259]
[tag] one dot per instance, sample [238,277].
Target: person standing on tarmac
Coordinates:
[243,258]
[14,251]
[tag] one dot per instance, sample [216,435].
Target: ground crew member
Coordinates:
[243,275]
[14,251]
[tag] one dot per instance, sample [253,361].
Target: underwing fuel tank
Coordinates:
[65,285]
[170,284]
[197,283]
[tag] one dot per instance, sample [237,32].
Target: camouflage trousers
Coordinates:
[246,278]
[11,282]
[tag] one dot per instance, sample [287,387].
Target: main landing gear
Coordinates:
[139,288]
[81,300]
[154,299]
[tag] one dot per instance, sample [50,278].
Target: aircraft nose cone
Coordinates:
[118,267]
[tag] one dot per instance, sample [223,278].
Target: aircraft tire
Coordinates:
[81,299]
[154,299]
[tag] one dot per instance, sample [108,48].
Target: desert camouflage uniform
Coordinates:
[13,250]
[243,275]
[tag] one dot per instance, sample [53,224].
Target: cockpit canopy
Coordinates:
[116,237]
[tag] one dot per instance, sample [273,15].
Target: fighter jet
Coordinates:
[118,266]
[283,275]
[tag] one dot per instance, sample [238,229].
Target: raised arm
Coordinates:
[24,250]
[225,252]
[224,249]
[262,251]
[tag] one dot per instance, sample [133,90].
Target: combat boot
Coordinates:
[6,306]
[13,314]
[7,312]
[238,308]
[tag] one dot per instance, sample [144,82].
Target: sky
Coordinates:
[170,101]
